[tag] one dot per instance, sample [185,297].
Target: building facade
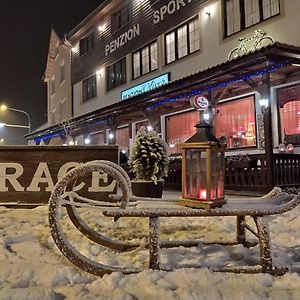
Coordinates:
[141,62]
[57,77]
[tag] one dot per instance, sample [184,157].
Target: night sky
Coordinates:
[24,35]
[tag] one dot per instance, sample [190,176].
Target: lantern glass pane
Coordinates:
[195,177]
[220,191]
[219,163]
[214,162]
[213,191]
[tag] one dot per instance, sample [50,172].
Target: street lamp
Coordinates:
[3,107]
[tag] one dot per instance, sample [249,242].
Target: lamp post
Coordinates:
[3,107]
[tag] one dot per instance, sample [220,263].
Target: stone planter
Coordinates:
[147,189]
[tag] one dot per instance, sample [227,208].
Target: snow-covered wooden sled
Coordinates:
[126,205]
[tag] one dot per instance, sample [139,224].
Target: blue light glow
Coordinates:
[145,86]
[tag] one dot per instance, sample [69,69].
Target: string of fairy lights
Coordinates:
[223,84]
[243,77]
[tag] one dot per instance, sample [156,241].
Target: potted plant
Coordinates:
[149,164]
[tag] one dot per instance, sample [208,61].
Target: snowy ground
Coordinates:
[31,266]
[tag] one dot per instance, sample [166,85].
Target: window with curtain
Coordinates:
[289,111]
[179,128]
[241,14]
[182,41]
[97,138]
[122,138]
[145,60]
[235,123]
[140,124]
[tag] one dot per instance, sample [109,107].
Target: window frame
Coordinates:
[175,32]
[117,15]
[253,95]
[279,122]
[243,16]
[86,44]
[139,51]
[114,66]
[85,95]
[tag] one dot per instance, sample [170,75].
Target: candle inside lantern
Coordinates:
[202,194]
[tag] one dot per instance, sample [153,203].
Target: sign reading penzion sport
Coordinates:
[169,9]
[146,86]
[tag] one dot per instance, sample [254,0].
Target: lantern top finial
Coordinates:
[203,134]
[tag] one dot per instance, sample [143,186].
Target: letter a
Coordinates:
[38,178]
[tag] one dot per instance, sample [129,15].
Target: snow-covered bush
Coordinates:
[148,156]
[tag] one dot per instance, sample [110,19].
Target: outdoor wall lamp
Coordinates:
[101,28]
[111,136]
[206,116]
[149,128]
[87,141]
[208,11]
[264,103]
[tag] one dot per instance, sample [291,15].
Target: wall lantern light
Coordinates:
[206,116]
[264,103]
[111,136]
[149,128]
[203,169]
[209,10]
[87,141]
[101,28]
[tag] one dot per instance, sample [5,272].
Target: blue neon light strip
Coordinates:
[146,86]
[219,85]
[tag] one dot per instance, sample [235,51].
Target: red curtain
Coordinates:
[180,128]
[290,118]
[235,121]
[97,138]
[122,137]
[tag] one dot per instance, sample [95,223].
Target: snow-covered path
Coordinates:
[31,266]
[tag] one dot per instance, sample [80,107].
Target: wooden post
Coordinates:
[267,117]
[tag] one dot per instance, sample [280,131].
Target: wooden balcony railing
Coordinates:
[250,174]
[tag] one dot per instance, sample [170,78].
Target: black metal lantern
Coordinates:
[203,168]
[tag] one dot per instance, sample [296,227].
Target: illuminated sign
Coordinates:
[146,86]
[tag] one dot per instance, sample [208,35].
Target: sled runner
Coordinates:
[126,205]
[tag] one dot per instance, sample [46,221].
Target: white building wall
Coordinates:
[213,50]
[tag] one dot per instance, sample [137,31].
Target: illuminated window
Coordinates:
[145,60]
[180,127]
[241,14]
[182,41]
[122,137]
[235,123]
[289,112]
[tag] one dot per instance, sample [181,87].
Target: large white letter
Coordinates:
[65,168]
[96,177]
[12,178]
[41,170]
[156,17]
